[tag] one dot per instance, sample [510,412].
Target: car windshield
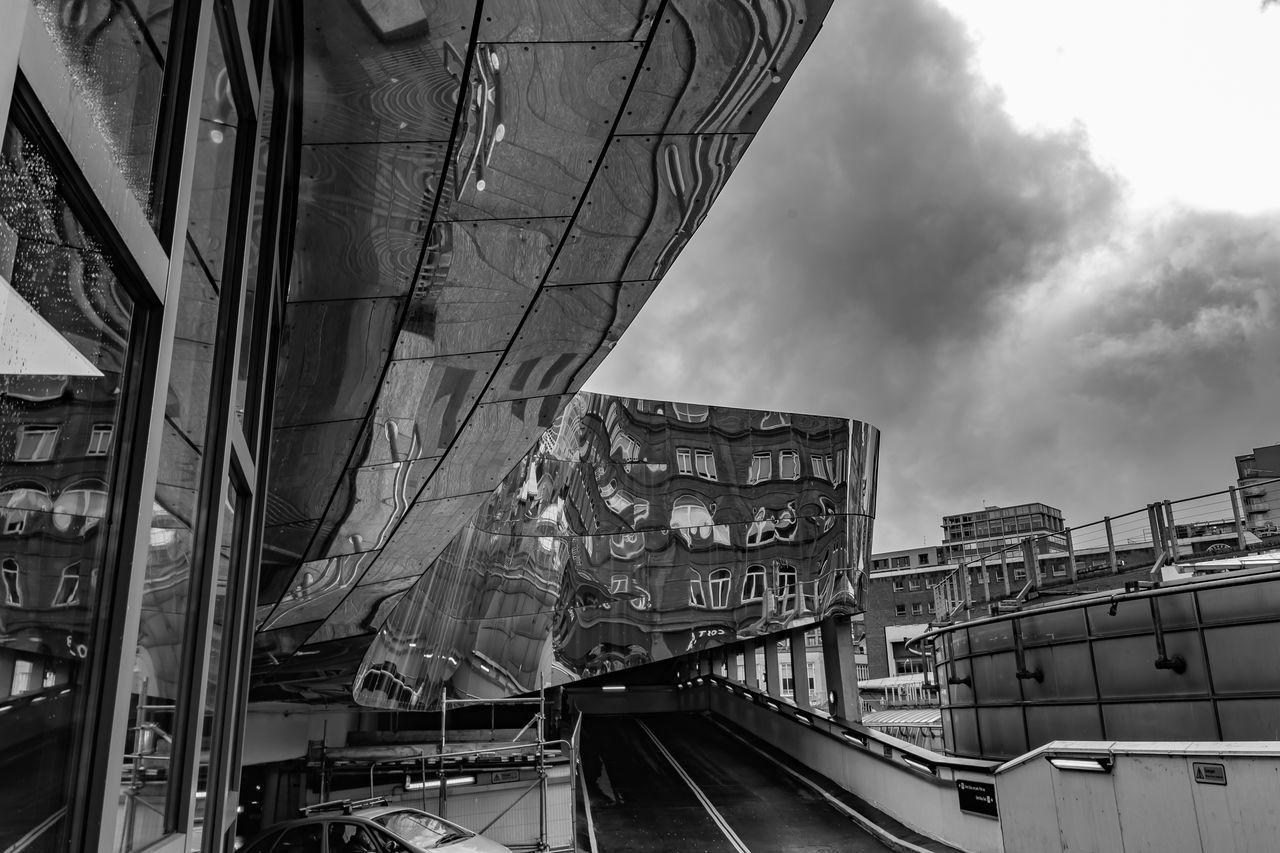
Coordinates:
[421,829]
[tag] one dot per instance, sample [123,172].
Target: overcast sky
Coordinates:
[1037,244]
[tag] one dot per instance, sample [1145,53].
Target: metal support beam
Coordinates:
[1004,569]
[731,670]
[840,669]
[749,663]
[1111,544]
[1071,556]
[799,669]
[772,675]
[1239,517]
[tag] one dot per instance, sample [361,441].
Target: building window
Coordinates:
[900,562]
[9,576]
[696,596]
[1059,570]
[684,460]
[753,584]
[99,440]
[718,585]
[789,465]
[863,671]
[917,608]
[706,464]
[68,592]
[819,466]
[898,585]
[761,468]
[879,564]
[1020,574]
[35,443]
[785,592]
[900,609]
[922,559]
[913,584]
[690,413]
[813,638]
[997,576]
[619,585]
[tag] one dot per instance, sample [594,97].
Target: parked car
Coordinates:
[369,826]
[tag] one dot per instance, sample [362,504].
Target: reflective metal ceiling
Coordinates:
[489,193]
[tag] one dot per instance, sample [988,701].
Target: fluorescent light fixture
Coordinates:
[410,784]
[412,644]
[200,795]
[917,764]
[614,688]
[29,346]
[853,737]
[802,718]
[1083,763]
[698,681]
[728,687]
[772,707]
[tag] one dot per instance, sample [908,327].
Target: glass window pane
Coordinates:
[65,324]
[164,633]
[227,564]
[116,54]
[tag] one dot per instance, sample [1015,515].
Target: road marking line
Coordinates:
[697,792]
[586,804]
[866,823]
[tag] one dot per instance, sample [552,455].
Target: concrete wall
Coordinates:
[1150,801]
[927,803]
[280,735]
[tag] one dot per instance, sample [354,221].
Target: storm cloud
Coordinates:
[893,248]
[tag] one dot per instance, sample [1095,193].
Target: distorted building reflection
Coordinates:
[635,531]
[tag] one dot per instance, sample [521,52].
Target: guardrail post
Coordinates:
[1172,531]
[1071,556]
[1157,532]
[1031,561]
[1111,544]
[1239,516]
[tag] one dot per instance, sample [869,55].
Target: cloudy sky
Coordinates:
[1036,243]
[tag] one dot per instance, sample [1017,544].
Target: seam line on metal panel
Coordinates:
[697,792]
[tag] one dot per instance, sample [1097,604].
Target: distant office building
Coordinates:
[1261,506]
[969,535]
[899,605]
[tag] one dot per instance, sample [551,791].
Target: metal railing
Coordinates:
[1159,534]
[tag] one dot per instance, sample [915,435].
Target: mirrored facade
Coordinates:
[635,531]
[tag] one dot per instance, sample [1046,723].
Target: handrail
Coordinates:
[948,606]
[862,735]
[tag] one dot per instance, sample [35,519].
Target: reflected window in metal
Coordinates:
[761,468]
[718,585]
[66,327]
[706,464]
[696,596]
[753,584]
[789,465]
